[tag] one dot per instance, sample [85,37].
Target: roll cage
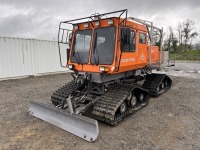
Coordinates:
[64,32]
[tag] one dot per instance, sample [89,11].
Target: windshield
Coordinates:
[103,46]
[81,46]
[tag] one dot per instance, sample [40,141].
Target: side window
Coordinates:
[132,41]
[128,41]
[142,38]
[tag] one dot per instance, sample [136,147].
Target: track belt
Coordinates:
[61,94]
[106,108]
[153,83]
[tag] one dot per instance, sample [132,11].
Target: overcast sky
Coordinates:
[40,18]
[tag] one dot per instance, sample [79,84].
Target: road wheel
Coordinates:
[158,89]
[166,83]
[123,107]
[133,101]
[141,97]
[162,85]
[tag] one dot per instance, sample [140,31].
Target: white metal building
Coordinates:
[25,57]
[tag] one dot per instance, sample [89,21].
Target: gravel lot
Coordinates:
[171,121]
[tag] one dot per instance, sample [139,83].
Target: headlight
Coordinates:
[70,66]
[110,21]
[101,68]
[97,23]
[75,26]
[86,25]
[104,69]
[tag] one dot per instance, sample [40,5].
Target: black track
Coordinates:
[61,94]
[153,81]
[106,109]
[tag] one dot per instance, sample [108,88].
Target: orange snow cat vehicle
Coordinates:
[112,59]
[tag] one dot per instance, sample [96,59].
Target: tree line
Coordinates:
[180,39]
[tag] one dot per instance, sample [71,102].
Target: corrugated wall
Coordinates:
[24,57]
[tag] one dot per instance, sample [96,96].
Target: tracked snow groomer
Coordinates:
[112,59]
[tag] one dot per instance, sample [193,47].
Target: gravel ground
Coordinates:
[189,69]
[171,121]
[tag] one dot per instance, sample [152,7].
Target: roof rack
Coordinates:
[91,18]
[97,15]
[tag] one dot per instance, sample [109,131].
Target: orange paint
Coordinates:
[129,60]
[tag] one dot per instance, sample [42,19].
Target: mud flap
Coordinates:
[78,125]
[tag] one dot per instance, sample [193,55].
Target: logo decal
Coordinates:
[128,60]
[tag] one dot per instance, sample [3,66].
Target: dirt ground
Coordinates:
[171,121]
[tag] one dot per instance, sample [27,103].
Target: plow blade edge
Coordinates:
[78,125]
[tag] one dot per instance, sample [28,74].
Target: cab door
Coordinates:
[142,48]
[128,48]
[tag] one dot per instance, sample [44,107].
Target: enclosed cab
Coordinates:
[110,46]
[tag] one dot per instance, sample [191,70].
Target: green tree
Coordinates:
[180,35]
[193,36]
[188,33]
[171,41]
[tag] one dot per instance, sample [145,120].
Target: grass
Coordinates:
[188,55]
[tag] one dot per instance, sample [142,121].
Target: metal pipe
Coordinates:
[161,40]
[142,22]
[69,103]
[59,46]
[151,32]
[96,15]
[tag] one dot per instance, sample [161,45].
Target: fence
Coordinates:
[24,57]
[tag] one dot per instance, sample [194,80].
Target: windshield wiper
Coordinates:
[94,48]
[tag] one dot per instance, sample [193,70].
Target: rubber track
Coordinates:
[106,108]
[153,81]
[61,94]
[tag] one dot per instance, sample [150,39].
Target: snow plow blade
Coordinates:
[81,126]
